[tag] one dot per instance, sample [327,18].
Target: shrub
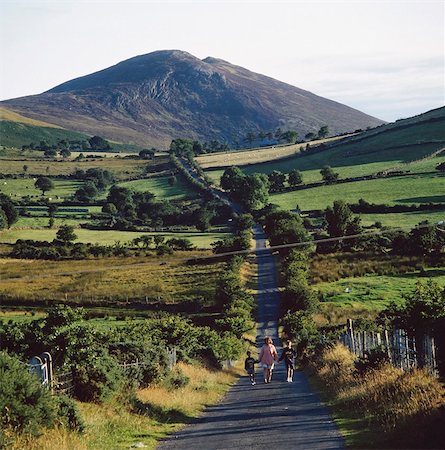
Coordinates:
[25,406]
[68,414]
[177,379]
[372,360]
[97,378]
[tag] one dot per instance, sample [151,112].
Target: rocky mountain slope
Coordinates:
[153,98]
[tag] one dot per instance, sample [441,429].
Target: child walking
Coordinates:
[268,357]
[249,365]
[288,354]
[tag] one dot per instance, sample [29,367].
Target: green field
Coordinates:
[375,292]
[406,158]
[413,189]
[122,168]
[109,237]
[21,187]
[161,188]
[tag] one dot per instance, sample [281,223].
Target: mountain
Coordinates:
[153,98]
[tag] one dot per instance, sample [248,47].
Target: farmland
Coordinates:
[200,239]
[256,155]
[161,187]
[123,168]
[110,280]
[412,189]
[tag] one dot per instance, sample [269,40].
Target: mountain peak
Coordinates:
[153,98]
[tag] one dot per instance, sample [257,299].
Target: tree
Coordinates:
[254,192]
[3,220]
[52,209]
[50,153]
[323,131]
[98,143]
[276,181]
[338,217]
[182,147]
[295,177]
[284,227]
[289,136]
[122,198]
[65,153]
[147,153]
[243,222]
[87,192]
[425,240]
[45,184]
[66,234]
[329,175]
[310,136]
[8,208]
[25,168]
[231,179]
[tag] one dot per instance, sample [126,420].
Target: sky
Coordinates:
[383,57]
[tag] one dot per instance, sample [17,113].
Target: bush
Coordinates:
[177,379]
[68,414]
[373,359]
[25,406]
[97,378]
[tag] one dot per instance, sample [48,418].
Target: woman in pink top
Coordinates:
[267,358]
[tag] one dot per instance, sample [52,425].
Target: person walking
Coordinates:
[288,354]
[249,365]
[267,358]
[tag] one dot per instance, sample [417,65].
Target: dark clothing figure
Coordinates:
[249,365]
[289,354]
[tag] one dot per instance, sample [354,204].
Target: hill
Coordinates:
[150,99]
[393,164]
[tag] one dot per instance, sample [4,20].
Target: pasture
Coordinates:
[375,292]
[412,189]
[22,187]
[256,155]
[123,168]
[161,187]
[412,158]
[200,239]
[167,279]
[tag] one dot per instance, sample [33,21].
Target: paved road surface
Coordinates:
[276,416]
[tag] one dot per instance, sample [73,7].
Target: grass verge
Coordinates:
[382,408]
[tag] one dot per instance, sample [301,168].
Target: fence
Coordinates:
[403,349]
[63,383]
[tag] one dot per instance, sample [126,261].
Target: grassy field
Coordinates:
[167,279]
[375,292]
[21,187]
[255,155]
[404,220]
[406,158]
[123,168]
[161,188]
[11,116]
[414,189]
[200,239]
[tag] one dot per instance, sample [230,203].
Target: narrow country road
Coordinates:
[278,416]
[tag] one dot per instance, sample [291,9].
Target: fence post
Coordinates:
[350,331]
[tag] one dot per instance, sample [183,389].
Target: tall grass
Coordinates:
[386,401]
